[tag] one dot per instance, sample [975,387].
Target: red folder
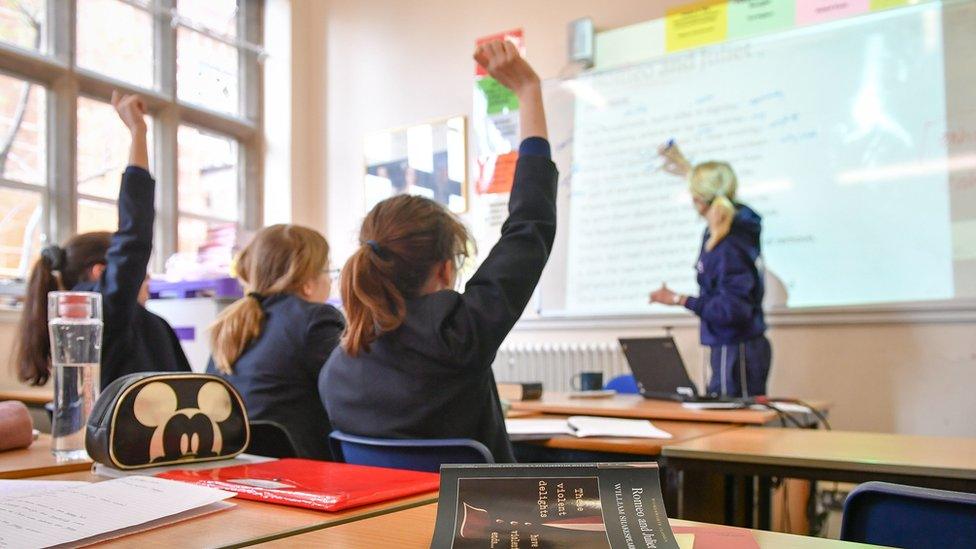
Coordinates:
[320,485]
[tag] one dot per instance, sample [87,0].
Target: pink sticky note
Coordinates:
[809,12]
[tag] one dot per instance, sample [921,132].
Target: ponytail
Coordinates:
[715,183]
[235,327]
[402,240]
[281,259]
[57,269]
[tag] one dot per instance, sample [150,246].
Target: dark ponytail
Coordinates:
[402,240]
[56,269]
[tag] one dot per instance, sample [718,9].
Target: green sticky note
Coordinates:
[500,98]
[751,17]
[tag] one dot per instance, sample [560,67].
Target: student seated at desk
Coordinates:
[415,361]
[113,264]
[272,343]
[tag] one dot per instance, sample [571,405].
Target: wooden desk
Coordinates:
[37,396]
[249,522]
[681,431]
[36,460]
[414,528]
[935,462]
[638,407]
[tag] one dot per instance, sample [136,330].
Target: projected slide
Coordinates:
[838,140]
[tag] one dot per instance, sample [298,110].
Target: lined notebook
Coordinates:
[320,485]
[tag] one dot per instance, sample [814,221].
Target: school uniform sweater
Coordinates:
[133,339]
[432,377]
[278,373]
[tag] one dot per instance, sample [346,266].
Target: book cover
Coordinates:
[552,506]
[320,485]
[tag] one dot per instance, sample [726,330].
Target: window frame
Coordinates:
[54,67]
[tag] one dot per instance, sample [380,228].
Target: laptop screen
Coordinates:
[658,367]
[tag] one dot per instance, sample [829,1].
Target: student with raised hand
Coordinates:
[730,278]
[113,264]
[272,343]
[415,360]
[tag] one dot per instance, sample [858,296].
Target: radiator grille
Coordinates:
[554,364]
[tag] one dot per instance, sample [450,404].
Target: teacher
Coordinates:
[730,279]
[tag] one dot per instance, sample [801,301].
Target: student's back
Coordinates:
[416,361]
[290,333]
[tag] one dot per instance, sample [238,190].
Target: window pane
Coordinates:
[206,71]
[116,39]
[217,15]
[22,23]
[22,121]
[97,216]
[207,181]
[103,148]
[20,230]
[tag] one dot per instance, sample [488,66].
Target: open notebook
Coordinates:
[582,426]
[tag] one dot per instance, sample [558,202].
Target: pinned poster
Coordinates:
[697,24]
[498,98]
[752,17]
[809,12]
[495,125]
[504,173]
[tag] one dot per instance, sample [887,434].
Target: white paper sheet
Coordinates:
[16,488]
[70,515]
[582,426]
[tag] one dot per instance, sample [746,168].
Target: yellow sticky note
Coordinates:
[696,24]
[685,541]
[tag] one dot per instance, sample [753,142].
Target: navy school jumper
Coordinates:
[133,339]
[277,375]
[730,307]
[432,377]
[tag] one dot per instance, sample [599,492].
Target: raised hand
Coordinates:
[132,111]
[502,61]
[674,160]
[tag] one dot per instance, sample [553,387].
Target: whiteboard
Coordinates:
[854,139]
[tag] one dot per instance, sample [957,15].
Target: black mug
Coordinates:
[587,381]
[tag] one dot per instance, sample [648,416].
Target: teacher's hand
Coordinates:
[663,295]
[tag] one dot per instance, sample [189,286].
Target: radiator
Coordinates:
[554,364]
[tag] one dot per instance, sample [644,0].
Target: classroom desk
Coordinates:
[249,522]
[36,460]
[638,407]
[947,463]
[681,431]
[414,528]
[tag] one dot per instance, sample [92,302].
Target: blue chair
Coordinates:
[413,454]
[907,516]
[624,384]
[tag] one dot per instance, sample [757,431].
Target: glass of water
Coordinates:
[75,325]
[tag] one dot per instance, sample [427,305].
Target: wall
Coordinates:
[393,63]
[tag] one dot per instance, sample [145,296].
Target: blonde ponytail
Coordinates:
[715,183]
[280,259]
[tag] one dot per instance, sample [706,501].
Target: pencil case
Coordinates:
[154,419]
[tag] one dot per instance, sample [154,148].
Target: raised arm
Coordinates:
[499,291]
[128,254]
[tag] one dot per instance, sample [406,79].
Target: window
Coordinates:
[196,62]
[23,173]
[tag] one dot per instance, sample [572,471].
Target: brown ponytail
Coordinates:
[402,240]
[57,269]
[280,259]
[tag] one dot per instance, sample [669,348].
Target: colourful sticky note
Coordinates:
[504,174]
[696,24]
[499,97]
[809,12]
[751,17]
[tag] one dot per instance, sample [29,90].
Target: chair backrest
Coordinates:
[907,516]
[414,454]
[270,439]
[624,384]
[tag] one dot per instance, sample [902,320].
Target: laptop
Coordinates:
[660,372]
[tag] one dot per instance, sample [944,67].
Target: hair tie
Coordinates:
[375,247]
[55,256]
[256,296]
